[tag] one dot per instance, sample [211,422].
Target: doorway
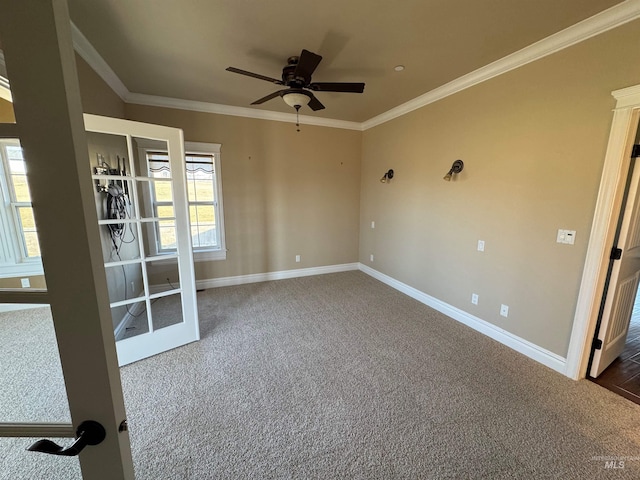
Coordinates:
[615,172]
[623,375]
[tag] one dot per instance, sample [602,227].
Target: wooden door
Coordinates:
[36,39]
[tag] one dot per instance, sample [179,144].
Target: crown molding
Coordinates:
[167,102]
[607,20]
[95,60]
[600,23]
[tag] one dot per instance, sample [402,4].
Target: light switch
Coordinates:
[566,236]
[481,245]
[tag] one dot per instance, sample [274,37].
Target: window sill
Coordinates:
[209,255]
[21,270]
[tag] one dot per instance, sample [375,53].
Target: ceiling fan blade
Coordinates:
[307,63]
[346,87]
[314,103]
[268,97]
[254,75]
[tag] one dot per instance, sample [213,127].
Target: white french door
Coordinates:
[36,41]
[152,295]
[623,282]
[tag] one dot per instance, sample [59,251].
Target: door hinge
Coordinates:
[597,344]
[616,253]
[636,151]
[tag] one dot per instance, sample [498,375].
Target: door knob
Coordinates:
[89,432]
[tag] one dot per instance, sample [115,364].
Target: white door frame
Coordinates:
[616,167]
[36,36]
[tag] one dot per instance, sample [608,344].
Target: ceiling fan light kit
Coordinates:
[296,99]
[296,75]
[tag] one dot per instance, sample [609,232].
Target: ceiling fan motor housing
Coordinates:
[288,74]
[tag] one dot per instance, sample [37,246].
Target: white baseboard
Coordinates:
[539,354]
[281,275]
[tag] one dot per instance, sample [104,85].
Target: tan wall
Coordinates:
[533,142]
[285,193]
[36,281]
[6,112]
[97,96]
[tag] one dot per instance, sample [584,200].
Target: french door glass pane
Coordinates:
[31,383]
[130,320]
[159,237]
[125,282]
[166,311]
[163,275]
[108,154]
[19,463]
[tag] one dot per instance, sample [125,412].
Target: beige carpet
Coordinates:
[339,376]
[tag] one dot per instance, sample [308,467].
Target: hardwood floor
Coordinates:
[623,375]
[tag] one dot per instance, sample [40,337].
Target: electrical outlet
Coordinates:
[297,258]
[373,224]
[371,257]
[481,245]
[25,282]
[474,298]
[504,310]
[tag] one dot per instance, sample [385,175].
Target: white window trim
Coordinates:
[13,261]
[199,255]
[205,255]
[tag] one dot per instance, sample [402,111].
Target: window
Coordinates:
[20,251]
[202,165]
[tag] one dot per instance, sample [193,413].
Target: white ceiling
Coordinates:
[180,49]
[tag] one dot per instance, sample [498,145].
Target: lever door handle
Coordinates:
[89,432]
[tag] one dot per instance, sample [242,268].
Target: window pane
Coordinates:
[200,178]
[200,190]
[203,227]
[21,188]
[163,192]
[28,226]
[201,214]
[26,218]
[159,165]
[167,234]
[165,211]
[31,241]
[204,236]
[18,171]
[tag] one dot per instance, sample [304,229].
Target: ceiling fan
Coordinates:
[296,75]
